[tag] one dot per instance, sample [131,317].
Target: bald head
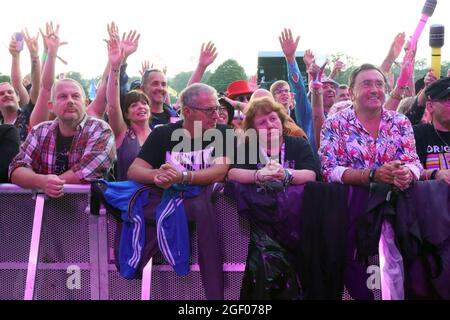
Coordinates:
[260,93]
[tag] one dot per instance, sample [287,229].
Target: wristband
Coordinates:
[44,56]
[372,175]
[433,174]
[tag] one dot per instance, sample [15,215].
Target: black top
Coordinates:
[63,145]
[9,147]
[298,155]
[433,148]
[164,144]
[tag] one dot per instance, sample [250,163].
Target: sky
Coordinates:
[172,31]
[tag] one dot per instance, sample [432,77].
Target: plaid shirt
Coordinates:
[90,156]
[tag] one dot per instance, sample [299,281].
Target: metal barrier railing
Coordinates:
[98,265]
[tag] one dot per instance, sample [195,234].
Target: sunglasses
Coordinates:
[243,98]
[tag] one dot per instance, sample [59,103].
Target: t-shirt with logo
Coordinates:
[170,144]
[433,148]
[63,145]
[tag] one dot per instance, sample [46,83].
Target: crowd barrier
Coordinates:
[54,249]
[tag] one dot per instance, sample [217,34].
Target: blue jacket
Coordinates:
[303,109]
[130,198]
[172,227]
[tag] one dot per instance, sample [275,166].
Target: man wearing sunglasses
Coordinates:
[183,154]
[433,139]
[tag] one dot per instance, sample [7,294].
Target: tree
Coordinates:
[180,80]
[341,77]
[4,78]
[226,73]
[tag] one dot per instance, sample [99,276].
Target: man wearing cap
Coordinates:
[238,94]
[433,139]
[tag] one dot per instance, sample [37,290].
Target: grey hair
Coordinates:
[53,91]
[189,97]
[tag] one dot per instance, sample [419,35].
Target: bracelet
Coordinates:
[395,96]
[372,175]
[184,177]
[288,177]
[44,56]
[433,174]
[256,177]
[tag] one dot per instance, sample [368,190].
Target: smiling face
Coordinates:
[8,98]
[155,87]
[368,92]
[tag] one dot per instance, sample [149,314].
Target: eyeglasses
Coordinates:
[209,111]
[244,98]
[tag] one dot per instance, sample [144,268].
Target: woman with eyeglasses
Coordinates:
[273,161]
[129,121]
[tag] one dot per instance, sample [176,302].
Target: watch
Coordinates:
[372,175]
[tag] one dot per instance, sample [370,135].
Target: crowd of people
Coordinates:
[299,131]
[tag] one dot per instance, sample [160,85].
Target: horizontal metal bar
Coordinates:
[68,188]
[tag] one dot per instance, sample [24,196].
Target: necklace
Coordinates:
[440,137]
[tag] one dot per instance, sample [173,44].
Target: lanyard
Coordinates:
[266,159]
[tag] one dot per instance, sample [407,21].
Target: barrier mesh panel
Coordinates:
[12,284]
[166,285]
[16,222]
[65,230]
[57,285]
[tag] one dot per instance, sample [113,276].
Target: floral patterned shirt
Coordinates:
[345,144]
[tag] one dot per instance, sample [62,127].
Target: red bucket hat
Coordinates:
[238,87]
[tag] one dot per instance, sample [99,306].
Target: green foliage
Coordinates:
[180,80]
[341,77]
[78,77]
[226,73]
[5,78]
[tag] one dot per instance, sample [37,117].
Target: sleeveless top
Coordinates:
[126,154]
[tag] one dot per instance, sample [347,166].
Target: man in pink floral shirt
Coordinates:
[366,143]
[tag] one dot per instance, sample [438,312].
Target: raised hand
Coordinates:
[130,43]
[52,39]
[407,68]
[113,30]
[397,45]
[115,52]
[32,43]
[288,45]
[309,58]
[13,47]
[429,78]
[207,54]
[144,67]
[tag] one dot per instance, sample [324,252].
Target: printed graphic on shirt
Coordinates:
[191,161]
[438,157]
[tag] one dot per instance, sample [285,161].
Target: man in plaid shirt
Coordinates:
[72,149]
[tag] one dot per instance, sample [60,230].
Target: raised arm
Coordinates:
[33,47]
[337,68]
[404,79]
[116,121]
[207,56]
[41,112]
[303,110]
[16,75]
[394,52]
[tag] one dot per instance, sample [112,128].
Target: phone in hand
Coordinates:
[19,41]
